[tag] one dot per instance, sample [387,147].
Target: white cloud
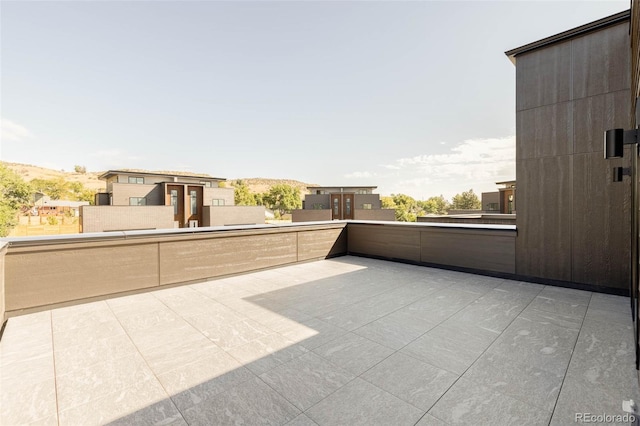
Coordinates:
[359,175]
[13,132]
[474,158]
[474,163]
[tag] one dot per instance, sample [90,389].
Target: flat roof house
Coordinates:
[171,200]
[342,203]
[502,201]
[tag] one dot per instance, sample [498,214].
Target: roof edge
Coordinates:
[149,173]
[565,35]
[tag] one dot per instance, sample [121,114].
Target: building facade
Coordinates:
[187,194]
[147,200]
[342,203]
[502,201]
[573,221]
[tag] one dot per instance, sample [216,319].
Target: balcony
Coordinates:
[344,340]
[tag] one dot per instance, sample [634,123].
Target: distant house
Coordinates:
[45,206]
[170,200]
[501,201]
[342,203]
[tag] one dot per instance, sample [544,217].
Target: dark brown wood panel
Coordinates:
[545,131]
[595,114]
[601,62]
[392,242]
[477,249]
[543,244]
[543,76]
[601,223]
[320,244]
[63,275]
[198,259]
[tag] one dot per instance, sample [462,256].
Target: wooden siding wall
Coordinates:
[41,273]
[635,55]
[573,222]
[489,250]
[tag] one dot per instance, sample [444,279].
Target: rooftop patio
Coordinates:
[346,341]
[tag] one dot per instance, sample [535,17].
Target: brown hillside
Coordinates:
[90,179]
[29,172]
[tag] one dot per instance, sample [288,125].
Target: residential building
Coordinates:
[342,203]
[45,206]
[157,200]
[573,221]
[501,201]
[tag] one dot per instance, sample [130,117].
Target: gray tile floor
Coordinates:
[337,342]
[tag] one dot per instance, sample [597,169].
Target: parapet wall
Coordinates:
[44,272]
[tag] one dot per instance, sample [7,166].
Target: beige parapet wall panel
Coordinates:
[196,259]
[307,215]
[125,218]
[232,215]
[320,244]
[379,214]
[389,241]
[485,250]
[49,274]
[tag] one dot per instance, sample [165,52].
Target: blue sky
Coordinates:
[414,97]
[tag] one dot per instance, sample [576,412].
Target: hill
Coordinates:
[90,179]
[260,185]
[29,172]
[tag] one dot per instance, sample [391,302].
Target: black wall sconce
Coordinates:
[614,141]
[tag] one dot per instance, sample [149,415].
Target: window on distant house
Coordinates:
[206,184]
[366,206]
[493,207]
[137,201]
[194,202]
[217,202]
[318,206]
[138,180]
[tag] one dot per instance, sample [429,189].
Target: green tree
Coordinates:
[283,198]
[466,201]
[435,205]
[80,169]
[407,208]
[56,188]
[78,192]
[242,196]
[15,194]
[387,202]
[60,189]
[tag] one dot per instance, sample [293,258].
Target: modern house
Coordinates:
[342,203]
[407,323]
[157,200]
[573,221]
[501,201]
